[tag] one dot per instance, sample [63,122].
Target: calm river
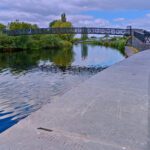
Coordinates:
[31,79]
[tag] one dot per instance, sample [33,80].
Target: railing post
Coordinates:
[131,33]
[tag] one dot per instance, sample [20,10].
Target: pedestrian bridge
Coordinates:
[75,30]
[142,35]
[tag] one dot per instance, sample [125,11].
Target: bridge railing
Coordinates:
[76,30]
[143,36]
[139,36]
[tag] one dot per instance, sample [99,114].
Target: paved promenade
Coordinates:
[110,111]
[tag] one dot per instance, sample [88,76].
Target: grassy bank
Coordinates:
[17,43]
[115,42]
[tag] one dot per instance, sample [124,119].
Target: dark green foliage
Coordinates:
[22,42]
[6,41]
[21,61]
[32,42]
[50,41]
[2,26]
[35,41]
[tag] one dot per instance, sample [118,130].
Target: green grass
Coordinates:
[116,42]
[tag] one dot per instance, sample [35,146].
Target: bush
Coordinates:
[6,41]
[21,42]
[50,41]
[116,42]
[32,42]
[60,24]
[67,44]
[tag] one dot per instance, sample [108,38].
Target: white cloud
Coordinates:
[119,19]
[42,12]
[148,15]
[86,21]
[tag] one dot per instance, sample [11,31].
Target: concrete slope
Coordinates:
[110,111]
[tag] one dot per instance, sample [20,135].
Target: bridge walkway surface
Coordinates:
[110,111]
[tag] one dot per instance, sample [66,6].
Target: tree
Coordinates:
[2,26]
[16,25]
[60,24]
[52,23]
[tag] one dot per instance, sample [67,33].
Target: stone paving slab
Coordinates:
[110,111]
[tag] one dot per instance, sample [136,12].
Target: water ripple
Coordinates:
[30,80]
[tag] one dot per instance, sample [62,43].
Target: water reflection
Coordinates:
[84,51]
[22,61]
[30,79]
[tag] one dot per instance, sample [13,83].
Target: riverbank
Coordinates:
[109,111]
[114,42]
[18,43]
[25,42]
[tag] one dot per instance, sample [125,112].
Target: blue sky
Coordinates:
[130,14]
[93,13]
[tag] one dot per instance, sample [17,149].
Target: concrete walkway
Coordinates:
[110,111]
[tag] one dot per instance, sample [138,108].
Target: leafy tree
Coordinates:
[34,41]
[16,25]
[61,24]
[2,26]
[52,23]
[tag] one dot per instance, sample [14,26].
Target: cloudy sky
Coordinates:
[98,13]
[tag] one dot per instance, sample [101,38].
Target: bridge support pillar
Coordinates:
[84,35]
[131,35]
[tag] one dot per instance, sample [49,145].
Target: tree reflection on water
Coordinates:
[18,62]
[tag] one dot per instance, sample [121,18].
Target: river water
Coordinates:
[31,79]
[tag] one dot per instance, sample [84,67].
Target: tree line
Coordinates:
[12,43]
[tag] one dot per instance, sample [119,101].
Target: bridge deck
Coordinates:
[75,30]
[111,111]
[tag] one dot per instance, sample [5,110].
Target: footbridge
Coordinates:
[75,30]
[139,38]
